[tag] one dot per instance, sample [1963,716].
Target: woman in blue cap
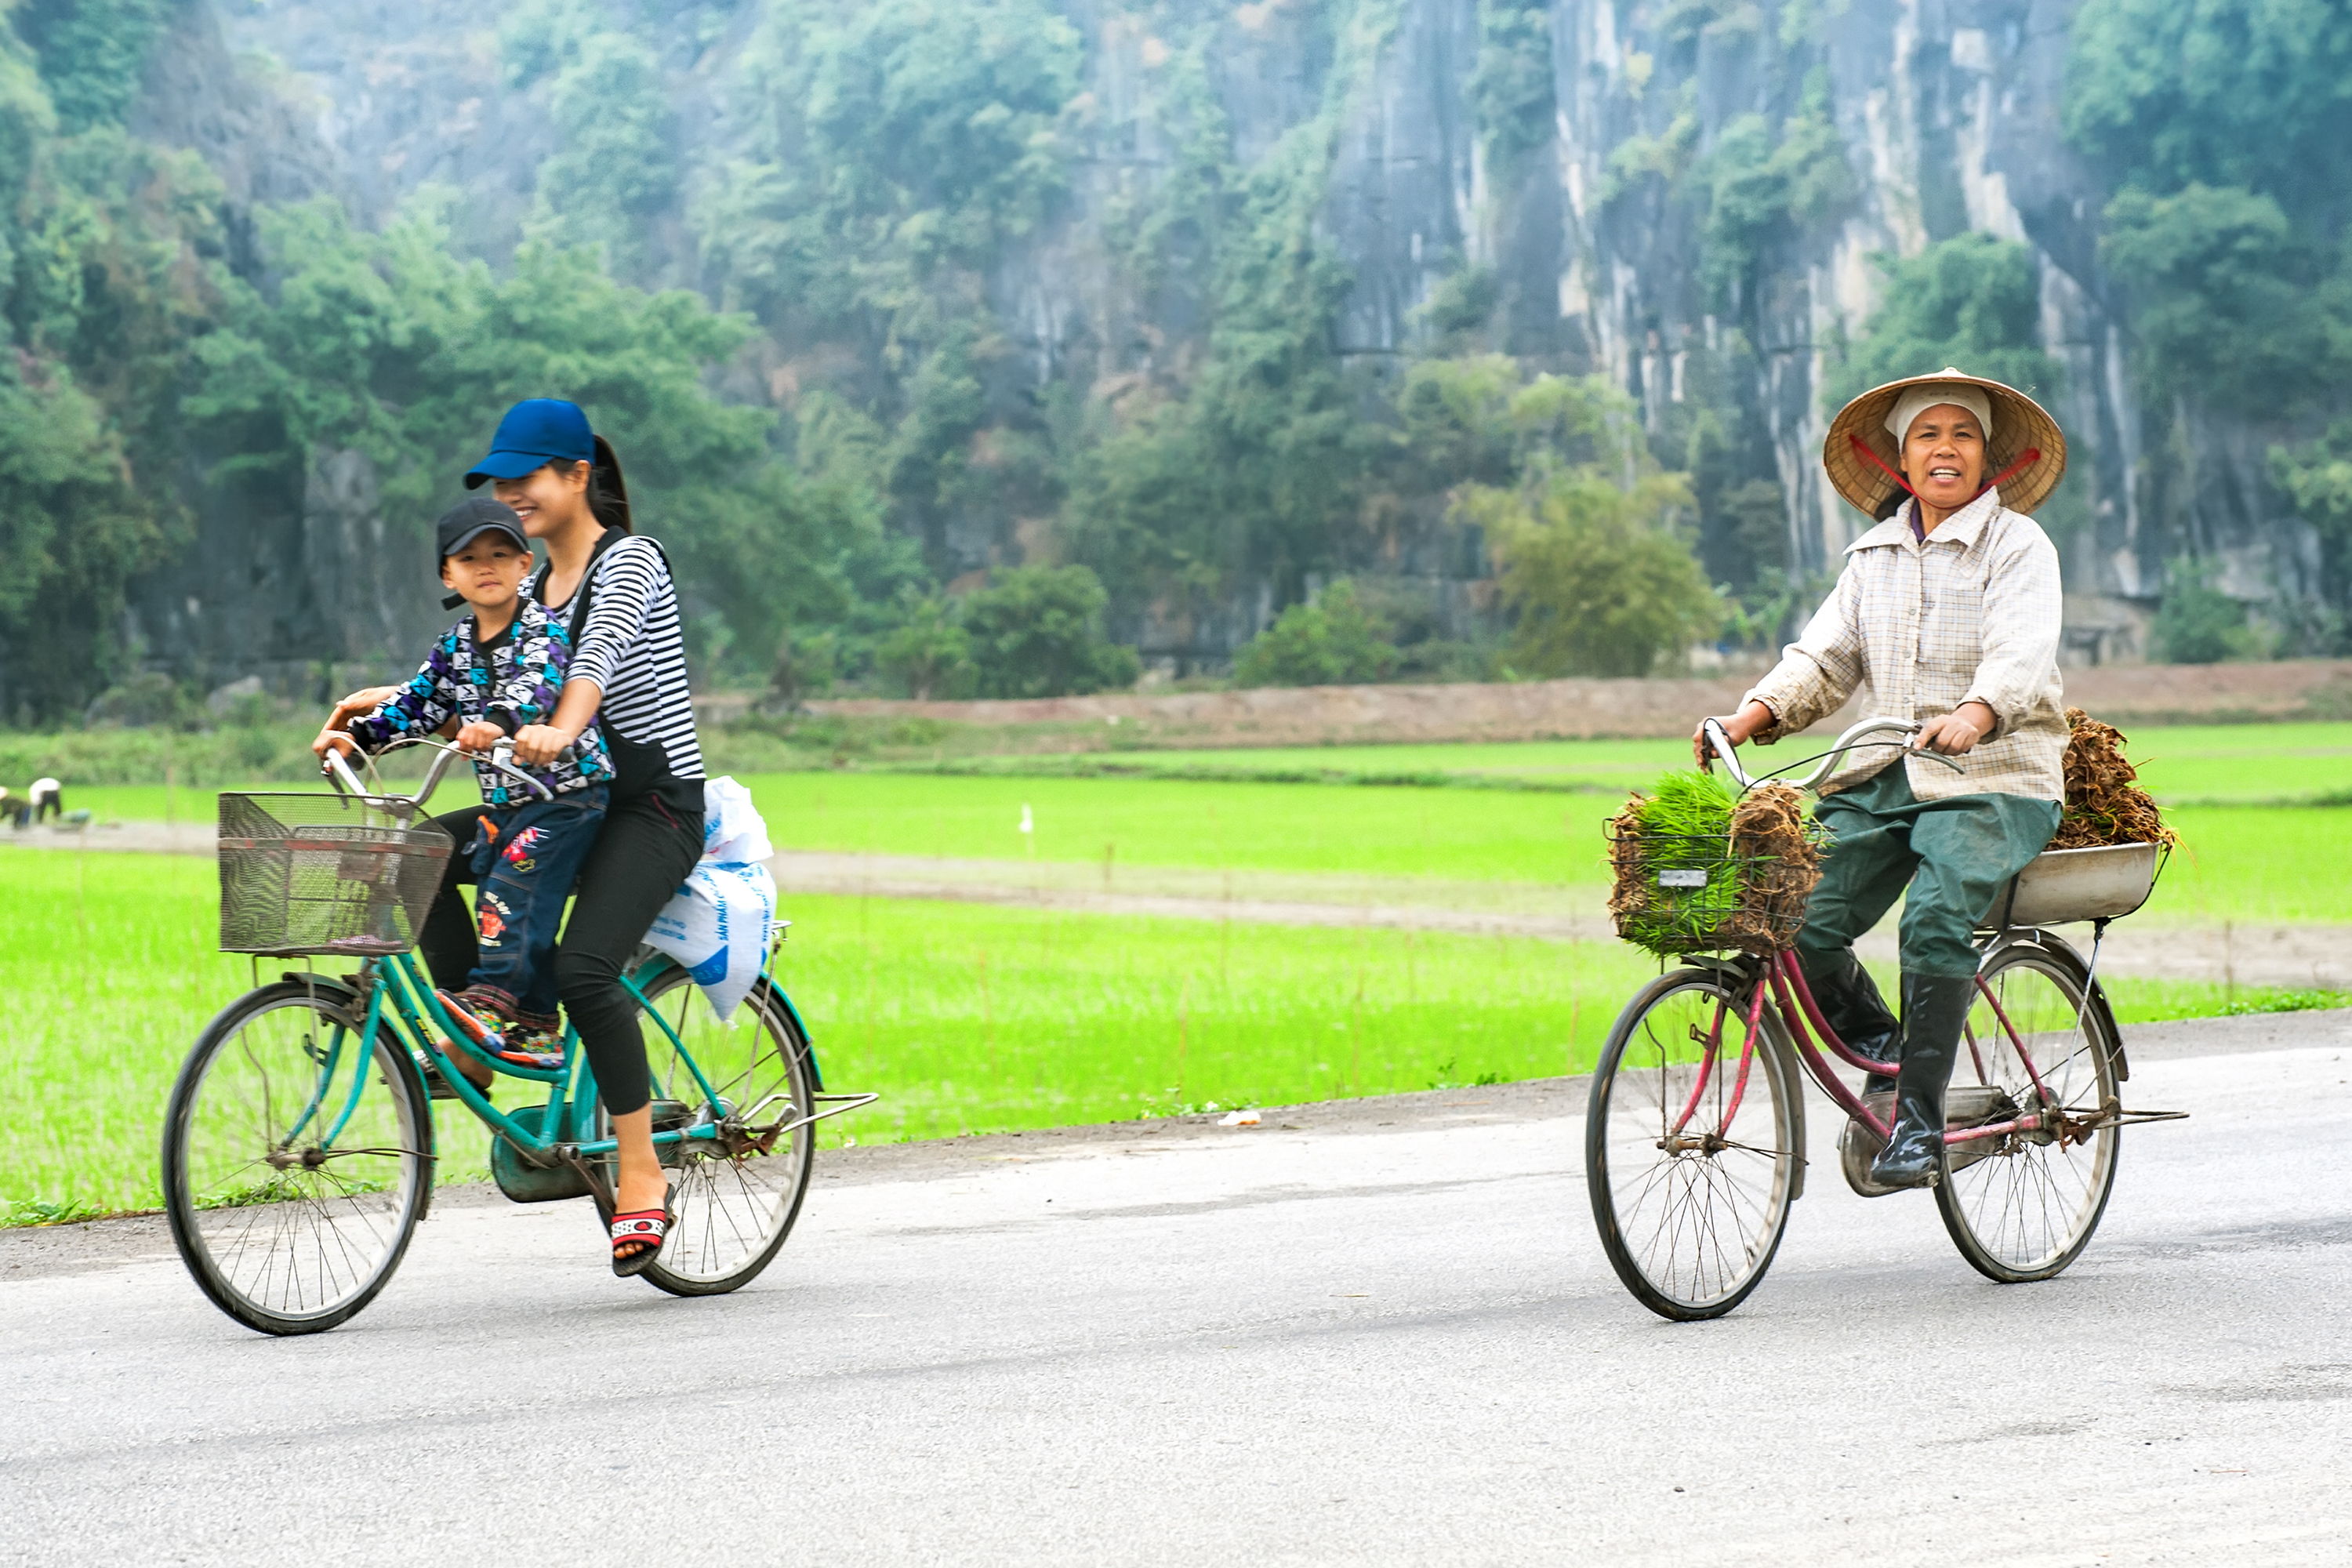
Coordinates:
[613,588]
[610,589]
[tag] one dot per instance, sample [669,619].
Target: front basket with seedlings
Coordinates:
[1700,867]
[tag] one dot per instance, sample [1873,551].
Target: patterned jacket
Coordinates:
[1971,613]
[511,680]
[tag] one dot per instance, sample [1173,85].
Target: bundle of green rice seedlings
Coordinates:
[1698,866]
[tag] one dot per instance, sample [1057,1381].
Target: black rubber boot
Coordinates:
[1852,1006]
[1934,1006]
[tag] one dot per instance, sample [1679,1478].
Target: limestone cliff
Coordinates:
[1947,117]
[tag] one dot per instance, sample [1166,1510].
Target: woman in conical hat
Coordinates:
[1947,613]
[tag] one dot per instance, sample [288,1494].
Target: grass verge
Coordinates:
[968,1018]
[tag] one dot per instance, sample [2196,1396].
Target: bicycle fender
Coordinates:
[767,983]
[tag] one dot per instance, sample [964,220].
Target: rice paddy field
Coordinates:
[978,1017]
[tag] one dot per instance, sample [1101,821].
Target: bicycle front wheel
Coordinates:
[298,1158]
[2022,1206]
[1690,1153]
[735,1196]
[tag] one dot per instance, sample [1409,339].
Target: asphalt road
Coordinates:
[1374,1332]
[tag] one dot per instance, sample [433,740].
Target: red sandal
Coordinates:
[641,1225]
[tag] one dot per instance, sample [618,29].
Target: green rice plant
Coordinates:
[1687,803]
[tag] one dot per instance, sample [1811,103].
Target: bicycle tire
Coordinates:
[1997,1206]
[734,1213]
[1675,1262]
[300,1249]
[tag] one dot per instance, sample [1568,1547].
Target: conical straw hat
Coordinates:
[2020,426]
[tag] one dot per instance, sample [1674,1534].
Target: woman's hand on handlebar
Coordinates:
[479,735]
[535,745]
[1955,733]
[333,738]
[1740,726]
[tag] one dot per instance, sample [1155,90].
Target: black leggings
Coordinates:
[643,852]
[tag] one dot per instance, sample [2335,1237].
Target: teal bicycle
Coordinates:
[299,1145]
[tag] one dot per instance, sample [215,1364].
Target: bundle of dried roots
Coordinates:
[2105,804]
[1779,852]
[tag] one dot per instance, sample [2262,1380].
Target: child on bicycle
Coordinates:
[497,670]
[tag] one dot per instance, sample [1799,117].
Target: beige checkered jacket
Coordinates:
[1971,615]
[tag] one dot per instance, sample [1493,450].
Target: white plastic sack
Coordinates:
[717,922]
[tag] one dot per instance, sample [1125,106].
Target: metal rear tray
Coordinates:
[2063,886]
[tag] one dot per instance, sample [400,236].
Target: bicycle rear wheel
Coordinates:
[296,1163]
[735,1201]
[2022,1206]
[1690,1194]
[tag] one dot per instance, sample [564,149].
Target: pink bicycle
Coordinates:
[1695,1139]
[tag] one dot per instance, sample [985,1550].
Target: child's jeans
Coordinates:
[526,859]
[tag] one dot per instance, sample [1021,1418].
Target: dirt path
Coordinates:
[1554,710]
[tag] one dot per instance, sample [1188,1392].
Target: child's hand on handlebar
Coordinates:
[366,699]
[479,735]
[536,745]
[333,740]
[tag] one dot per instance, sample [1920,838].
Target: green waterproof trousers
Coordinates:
[1946,859]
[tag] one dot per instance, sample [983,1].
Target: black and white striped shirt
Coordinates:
[632,646]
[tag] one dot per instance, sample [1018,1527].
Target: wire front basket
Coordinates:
[325,874]
[1698,893]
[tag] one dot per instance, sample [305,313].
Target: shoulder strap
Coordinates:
[578,616]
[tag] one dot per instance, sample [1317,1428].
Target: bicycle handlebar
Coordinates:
[339,771]
[1721,743]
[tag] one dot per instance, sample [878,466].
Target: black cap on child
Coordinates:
[469,520]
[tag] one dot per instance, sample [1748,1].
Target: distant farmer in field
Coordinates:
[48,800]
[1948,613]
[17,808]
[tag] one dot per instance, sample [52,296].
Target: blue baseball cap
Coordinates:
[535,431]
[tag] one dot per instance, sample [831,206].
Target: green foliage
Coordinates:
[1663,156]
[1463,302]
[2252,94]
[2196,622]
[1037,631]
[1973,301]
[92,53]
[1256,472]
[105,278]
[893,150]
[1511,87]
[1331,642]
[1598,588]
[614,168]
[2229,304]
[2223,123]
[928,655]
[1758,185]
[2317,477]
